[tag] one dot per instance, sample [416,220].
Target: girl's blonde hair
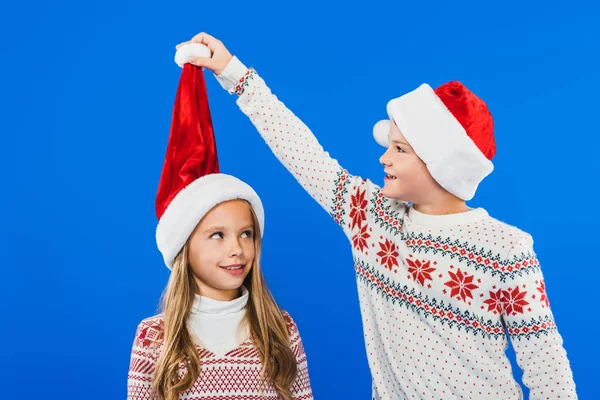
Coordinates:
[265,320]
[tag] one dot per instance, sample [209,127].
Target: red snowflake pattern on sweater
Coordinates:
[358,208]
[495,302]
[542,290]
[359,240]
[388,254]
[420,270]
[514,301]
[461,284]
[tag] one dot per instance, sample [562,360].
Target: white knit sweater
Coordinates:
[439,295]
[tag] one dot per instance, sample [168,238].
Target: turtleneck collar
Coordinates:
[206,305]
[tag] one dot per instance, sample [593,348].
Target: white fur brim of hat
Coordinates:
[183,54]
[452,158]
[193,202]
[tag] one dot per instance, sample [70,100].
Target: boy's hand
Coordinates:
[220,55]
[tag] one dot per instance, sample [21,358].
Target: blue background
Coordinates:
[87,94]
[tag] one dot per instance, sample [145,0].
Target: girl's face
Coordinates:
[407,177]
[221,250]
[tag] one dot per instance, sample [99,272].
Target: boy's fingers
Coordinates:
[201,62]
[208,40]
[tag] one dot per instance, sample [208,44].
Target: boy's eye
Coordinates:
[400,149]
[217,235]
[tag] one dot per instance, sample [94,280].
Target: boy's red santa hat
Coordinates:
[190,184]
[450,129]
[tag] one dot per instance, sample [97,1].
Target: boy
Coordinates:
[440,284]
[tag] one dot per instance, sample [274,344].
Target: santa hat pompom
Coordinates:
[381,132]
[188,50]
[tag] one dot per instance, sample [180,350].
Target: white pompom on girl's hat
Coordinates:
[450,129]
[190,183]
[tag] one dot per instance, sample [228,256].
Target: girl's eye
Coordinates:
[217,235]
[247,234]
[400,149]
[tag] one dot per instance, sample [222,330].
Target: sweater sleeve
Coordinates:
[348,199]
[300,389]
[532,329]
[143,360]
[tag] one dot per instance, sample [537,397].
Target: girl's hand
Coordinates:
[220,55]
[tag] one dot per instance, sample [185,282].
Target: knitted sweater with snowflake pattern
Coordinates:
[439,295]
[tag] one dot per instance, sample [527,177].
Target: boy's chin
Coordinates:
[391,192]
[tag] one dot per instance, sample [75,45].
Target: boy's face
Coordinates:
[407,177]
[222,250]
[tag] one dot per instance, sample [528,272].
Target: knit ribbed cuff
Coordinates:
[232,74]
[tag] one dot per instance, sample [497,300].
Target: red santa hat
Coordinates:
[450,129]
[190,184]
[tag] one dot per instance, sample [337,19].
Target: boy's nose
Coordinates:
[384,159]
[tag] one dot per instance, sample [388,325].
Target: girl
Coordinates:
[442,287]
[220,334]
